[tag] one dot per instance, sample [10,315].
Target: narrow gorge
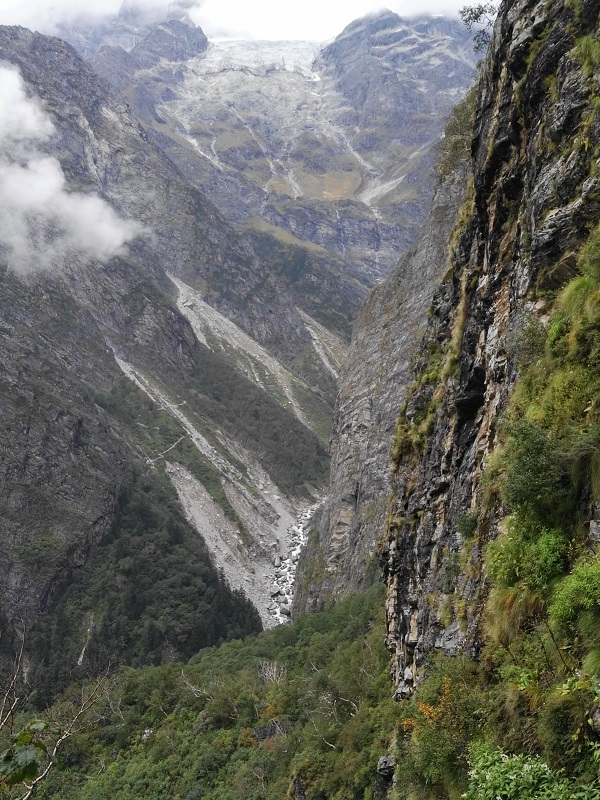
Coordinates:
[300,397]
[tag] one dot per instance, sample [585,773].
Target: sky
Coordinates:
[317,20]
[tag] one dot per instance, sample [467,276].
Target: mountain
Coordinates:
[195,348]
[132,406]
[297,149]
[483,346]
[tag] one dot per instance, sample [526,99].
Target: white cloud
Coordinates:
[44,15]
[260,19]
[41,222]
[310,19]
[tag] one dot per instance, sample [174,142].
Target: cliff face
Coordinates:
[342,555]
[535,197]
[525,213]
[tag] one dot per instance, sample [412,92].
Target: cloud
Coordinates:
[260,19]
[310,19]
[42,223]
[45,15]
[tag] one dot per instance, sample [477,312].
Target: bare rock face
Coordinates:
[173,40]
[373,384]
[535,195]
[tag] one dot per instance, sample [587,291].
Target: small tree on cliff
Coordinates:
[479,19]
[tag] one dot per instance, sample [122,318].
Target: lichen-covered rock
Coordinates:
[373,384]
[535,194]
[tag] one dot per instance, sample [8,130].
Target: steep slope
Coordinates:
[534,202]
[272,132]
[104,381]
[342,554]
[191,240]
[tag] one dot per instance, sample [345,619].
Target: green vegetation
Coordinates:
[456,144]
[308,703]
[496,774]
[148,592]
[587,51]
[479,19]
[536,688]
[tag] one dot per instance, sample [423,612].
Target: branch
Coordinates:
[71,729]
[5,715]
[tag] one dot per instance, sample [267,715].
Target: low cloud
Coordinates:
[42,223]
[261,19]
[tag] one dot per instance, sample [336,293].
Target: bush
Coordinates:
[494,775]
[577,592]
[456,144]
[533,470]
[440,721]
[528,553]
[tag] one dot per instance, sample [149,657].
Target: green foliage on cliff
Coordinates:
[147,592]
[456,144]
[535,690]
[308,703]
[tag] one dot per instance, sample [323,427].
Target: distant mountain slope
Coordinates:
[328,144]
[106,392]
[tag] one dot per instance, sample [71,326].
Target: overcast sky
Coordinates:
[318,20]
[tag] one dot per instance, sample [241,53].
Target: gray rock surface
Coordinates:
[172,40]
[528,214]
[372,387]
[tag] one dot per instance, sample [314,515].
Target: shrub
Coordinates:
[533,470]
[577,592]
[458,133]
[494,775]
[466,525]
[526,552]
[589,257]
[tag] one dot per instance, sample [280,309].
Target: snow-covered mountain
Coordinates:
[307,144]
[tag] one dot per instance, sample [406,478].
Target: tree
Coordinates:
[479,19]
[31,753]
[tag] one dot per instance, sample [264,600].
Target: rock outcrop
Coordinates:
[536,193]
[173,40]
[372,387]
[529,206]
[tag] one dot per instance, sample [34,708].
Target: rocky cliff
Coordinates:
[343,552]
[534,200]
[527,211]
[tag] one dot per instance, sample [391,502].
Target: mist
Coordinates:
[42,223]
[262,19]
